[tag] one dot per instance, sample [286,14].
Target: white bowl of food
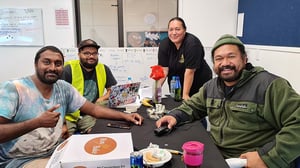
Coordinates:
[155,157]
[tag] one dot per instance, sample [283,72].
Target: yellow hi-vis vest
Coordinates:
[78,83]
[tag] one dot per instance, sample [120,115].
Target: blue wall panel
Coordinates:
[271,22]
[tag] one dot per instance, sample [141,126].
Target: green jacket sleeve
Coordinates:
[282,110]
[195,106]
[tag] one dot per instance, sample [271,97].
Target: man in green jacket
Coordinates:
[253,114]
[92,79]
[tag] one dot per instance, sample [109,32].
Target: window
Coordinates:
[129,23]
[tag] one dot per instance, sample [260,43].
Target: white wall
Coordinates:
[17,61]
[209,21]
[282,61]
[203,18]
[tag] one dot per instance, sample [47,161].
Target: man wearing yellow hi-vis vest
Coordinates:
[91,79]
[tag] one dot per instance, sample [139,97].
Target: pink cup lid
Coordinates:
[193,146]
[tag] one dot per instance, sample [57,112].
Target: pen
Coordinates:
[117,126]
[175,152]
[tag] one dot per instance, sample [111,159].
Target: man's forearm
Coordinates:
[11,131]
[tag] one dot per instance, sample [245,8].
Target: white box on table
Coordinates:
[93,151]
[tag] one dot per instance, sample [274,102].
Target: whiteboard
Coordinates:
[22,27]
[134,62]
[127,61]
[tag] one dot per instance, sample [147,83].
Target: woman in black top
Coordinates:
[182,54]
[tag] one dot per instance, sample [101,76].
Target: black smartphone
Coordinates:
[121,125]
[163,130]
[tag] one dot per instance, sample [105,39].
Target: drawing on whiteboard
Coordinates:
[124,62]
[21,27]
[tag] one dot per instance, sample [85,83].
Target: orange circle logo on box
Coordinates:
[100,145]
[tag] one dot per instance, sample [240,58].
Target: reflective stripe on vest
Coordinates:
[78,83]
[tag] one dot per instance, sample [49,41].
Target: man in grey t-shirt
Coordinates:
[32,111]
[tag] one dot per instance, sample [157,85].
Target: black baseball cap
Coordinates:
[87,43]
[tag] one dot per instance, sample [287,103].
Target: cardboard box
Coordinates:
[93,151]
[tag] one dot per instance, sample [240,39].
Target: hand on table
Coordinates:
[169,120]
[135,118]
[253,160]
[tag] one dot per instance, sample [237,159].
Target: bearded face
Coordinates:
[88,57]
[229,63]
[49,68]
[89,63]
[229,73]
[48,77]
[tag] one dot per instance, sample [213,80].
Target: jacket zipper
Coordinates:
[225,119]
[225,123]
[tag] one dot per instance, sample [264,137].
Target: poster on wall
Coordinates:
[145,39]
[21,27]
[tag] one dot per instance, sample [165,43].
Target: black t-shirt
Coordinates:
[90,81]
[189,55]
